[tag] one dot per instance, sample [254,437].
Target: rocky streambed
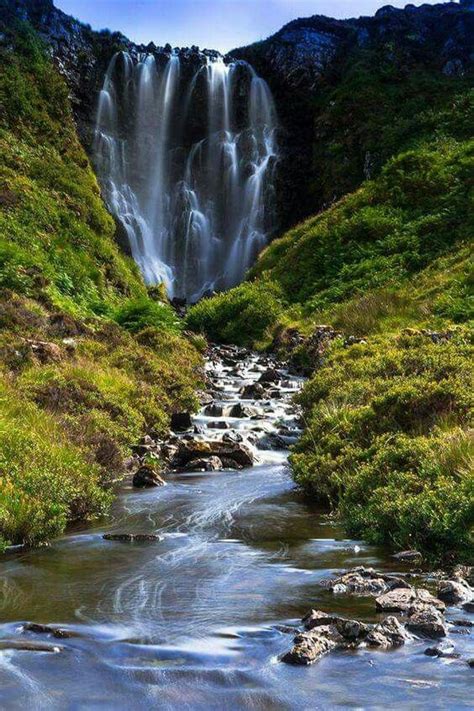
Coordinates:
[215,584]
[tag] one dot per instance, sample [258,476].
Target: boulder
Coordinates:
[195,449]
[212,464]
[220,425]
[147,477]
[454,592]
[270,376]
[242,411]
[441,653]
[311,646]
[56,632]
[214,410]
[45,352]
[348,629]
[388,633]
[402,599]
[366,581]
[181,421]
[426,621]
[254,391]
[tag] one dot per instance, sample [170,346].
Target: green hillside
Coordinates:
[388,441]
[89,362]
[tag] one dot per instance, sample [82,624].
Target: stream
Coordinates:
[193,620]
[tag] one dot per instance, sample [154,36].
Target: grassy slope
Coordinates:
[116,363]
[388,441]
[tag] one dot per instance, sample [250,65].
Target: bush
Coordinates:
[137,314]
[242,315]
[387,440]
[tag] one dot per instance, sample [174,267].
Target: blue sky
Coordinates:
[216,24]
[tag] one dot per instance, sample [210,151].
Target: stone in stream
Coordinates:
[220,425]
[271,375]
[254,391]
[310,646]
[132,537]
[426,621]
[468,607]
[57,632]
[181,421]
[146,477]
[366,581]
[212,464]
[387,634]
[454,592]
[242,411]
[214,410]
[403,599]
[29,646]
[195,449]
[349,629]
[441,653]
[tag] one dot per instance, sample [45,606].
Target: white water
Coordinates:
[186,163]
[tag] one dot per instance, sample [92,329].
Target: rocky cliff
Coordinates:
[310,65]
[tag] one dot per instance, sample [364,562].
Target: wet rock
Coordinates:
[214,410]
[212,464]
[470,663]
[388,633]
[181,421]
[439,652]
[366,581]
[232,437]
[28,646]
[462,623]
[221,425]
[254,391]
[241,411]
[131,537]
[408,556]
[454,592]
[402,599]
[309,647]
[468,607]
[271,375]
[194,449]
[57,632]
[426,621]
[147,477]
[464,572]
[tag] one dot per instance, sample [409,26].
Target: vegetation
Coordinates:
[388,421]
[89,360]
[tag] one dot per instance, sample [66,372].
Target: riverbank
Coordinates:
[190,593]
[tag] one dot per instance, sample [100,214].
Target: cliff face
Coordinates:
[331,79]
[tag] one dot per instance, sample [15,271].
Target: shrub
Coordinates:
[137,314]
[242,315]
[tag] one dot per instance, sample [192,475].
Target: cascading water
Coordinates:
[186,160]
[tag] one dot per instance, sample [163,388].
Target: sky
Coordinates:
[213,24]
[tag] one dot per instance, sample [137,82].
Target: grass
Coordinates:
[116,363]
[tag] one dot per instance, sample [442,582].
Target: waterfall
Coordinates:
[185,153]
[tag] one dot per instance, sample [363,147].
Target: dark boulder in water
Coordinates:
[147,477]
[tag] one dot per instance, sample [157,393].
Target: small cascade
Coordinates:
[186,159]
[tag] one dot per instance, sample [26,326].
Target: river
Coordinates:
[192,621]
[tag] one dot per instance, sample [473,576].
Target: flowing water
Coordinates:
[191,621]
[186,157]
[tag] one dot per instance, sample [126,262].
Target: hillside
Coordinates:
[77,388]
[388,270]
